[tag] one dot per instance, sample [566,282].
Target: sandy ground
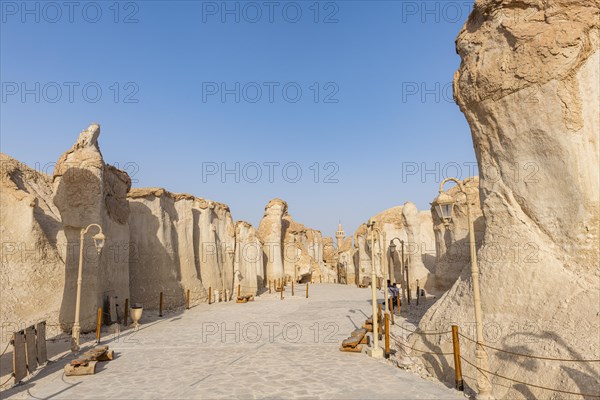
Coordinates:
[269,348]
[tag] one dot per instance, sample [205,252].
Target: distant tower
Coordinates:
[340,235]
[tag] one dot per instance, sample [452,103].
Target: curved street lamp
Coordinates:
[99,240]
[375,351]
[444,206]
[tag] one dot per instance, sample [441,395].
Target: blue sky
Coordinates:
[355,95]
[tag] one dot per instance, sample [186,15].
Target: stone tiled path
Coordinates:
[268,349]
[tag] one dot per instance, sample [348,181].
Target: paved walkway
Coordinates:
[268,349]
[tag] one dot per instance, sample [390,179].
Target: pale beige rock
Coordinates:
[182,243]
[298,261]
[32,273]
[270,233]
[452,241]
[528,86]
[290,249]
[248,267]
[405,223]
[88,191]
[346,256]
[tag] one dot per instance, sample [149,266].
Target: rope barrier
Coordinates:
[419,350]
[416,331]
[526,355]
[6,348]
[528,384]
[6,381]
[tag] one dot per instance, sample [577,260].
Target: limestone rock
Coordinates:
[32,274]
[528,86]
[290,249]
[405,223]
[248,267]
[181,242]
[452,242]
[87,191]
[270,233]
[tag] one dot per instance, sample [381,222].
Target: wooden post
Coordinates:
[458,381]
[239,288]
[379,312]
[387,336]
[292,288]
[418,290]
[98,325]
[307,290]
[269,286]
[187,299]
[281,293]
[160,304]
[311,278]
[209,294]
[398,301]
[126,317]
[391,303]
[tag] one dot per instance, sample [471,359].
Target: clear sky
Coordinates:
[354,95]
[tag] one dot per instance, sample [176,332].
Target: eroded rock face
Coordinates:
[407,224]
[452,241]
[87,191]
[181,242]
[290,249]
[248,267]
[345,256]
[33,249]
[528,86]
[270,232]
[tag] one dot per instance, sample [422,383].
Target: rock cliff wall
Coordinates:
[452,242]
[409,225]
[88,191]
[290,249]
[33,249]
[181,242]
[528,86]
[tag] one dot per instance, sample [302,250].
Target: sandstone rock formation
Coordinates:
[248,268]
[405,223]
[87,191]
[271,233]
[181,242]
[528,86]
[33,249]
[290,249]
[339,260]
[452,242]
